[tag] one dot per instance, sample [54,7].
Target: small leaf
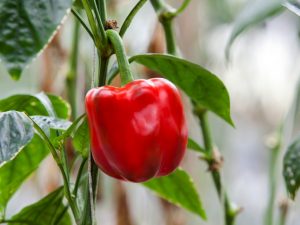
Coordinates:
[49,210]
[26,28]
[254,13]
[16,131]
[199,84]
[193,145]
[81,139]
[15,172]
[34,105]
[179,189]
[46,123]
[291,168]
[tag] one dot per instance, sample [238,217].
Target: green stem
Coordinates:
[100,37]
[103,64]
[169,35]
[68,194]
[78,178]
[157,4]
[117,43]
[100,23]
[130,17]
[81,20]
[102,10]
[72,75]
[229,213]
[275,152]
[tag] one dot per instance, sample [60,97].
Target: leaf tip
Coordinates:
[15,73]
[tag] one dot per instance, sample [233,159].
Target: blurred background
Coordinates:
[261,77]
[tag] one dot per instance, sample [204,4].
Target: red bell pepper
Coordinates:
[137,131]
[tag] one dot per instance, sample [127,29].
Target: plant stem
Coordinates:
[228,212]
[79,174]
[117,43]
[169,35]
[68,194]
[275,150]
[81,20]
[166,18]
[103,64]
[157,4]
[130,16]
[72,75]
[102,10]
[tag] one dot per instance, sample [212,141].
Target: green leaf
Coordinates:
[81,140]
[293,7]
[46,123]
[199,84]
[16,131]
[34,105]
[193,145]
[179,189]
[14,172]
[254,13]
[50,210]
[26,28]
[291,168]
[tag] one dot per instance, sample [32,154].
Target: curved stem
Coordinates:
[157,4]
[117,43]
[183,6]
[81,20]
[68,194]
[130,16]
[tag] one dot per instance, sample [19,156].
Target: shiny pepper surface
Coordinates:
[137,131]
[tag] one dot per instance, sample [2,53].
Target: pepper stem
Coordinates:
[117,43]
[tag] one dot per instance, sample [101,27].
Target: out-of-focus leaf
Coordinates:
[34,105]
[291,168]
[26,28]
[293,6]
[14,172]
[81,139]
[193,145]
[46,123]
[198,83]
[16,131]
[179,189]
[50,210]
[254,13]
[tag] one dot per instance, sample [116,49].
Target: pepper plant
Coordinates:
[150,128]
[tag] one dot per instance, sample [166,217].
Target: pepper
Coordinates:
[138,131]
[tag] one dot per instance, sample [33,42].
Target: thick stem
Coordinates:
[103,64]
[169,35]
[72,75]
[117,43]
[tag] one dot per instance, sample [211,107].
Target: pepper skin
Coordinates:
[137,131]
